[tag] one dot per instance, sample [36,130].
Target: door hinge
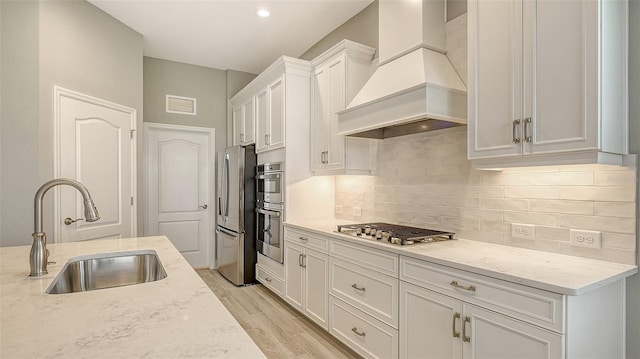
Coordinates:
[131,133]
[132,200]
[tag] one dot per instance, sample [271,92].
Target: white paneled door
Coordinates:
[179,188]
[94,144]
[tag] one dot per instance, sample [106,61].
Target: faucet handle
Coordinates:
[68,220]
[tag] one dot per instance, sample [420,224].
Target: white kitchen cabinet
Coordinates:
[243,119]
[338,74]
[361,332]
[270,116]
[363,299]
[306,278]
[547,82]
[263,106]
[466,315]
[271,274]
[437,326]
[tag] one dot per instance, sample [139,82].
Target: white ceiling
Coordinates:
[227,34]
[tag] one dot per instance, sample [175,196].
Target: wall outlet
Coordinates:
[338,209]
[523,231]
[357,211]
[589,239]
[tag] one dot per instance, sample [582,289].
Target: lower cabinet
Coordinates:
[385,305]
[433,325]
[271,274]
[306,274]
[361,332]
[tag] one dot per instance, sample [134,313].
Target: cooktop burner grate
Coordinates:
[395,234]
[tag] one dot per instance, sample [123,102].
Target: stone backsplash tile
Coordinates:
[425,180]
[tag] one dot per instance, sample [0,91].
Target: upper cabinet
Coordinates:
[337,76]
[270,103]
[264,106]
[547,82]
[243,116]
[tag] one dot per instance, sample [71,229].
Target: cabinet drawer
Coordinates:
[372,292]
[362,333]
[271,281]
[307,239]
[532,305]
[270,265]
[380,261]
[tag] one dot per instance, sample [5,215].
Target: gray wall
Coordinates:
[208,86]
[633,283]
[362,28]
[66,43]
[19,124]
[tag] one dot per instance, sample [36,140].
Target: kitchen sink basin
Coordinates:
[108,270]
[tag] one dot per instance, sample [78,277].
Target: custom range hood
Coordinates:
[415,88]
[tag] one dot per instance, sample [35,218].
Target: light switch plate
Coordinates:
[357,211]
[338,209]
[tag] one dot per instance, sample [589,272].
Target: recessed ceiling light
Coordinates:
[263,13]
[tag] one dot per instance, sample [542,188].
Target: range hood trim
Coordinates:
[400,93]
[424,101]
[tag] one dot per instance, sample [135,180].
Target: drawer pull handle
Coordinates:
[456,334]
[471,288]
[267,279]
[303,238]
[355,286]
[355,330]
[466,338]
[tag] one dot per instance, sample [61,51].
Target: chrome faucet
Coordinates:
[39,252]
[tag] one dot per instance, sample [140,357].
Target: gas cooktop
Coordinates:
[395,234]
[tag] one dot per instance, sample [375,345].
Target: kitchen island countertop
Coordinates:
[174,317]
[553,272]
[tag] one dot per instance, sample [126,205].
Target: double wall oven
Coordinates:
[269,209]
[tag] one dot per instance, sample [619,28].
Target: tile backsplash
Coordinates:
[426,180]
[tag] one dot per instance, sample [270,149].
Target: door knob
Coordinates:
[204,207]
[68,220]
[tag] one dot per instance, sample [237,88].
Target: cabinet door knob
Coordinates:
[355,330]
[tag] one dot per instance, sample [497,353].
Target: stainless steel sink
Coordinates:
[108,270]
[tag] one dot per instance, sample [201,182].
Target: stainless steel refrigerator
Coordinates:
[236,216]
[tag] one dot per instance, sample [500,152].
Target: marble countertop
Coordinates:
[176,317]
[548,271]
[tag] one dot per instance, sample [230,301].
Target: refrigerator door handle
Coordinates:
[219,206]
[229,233]
[226,162]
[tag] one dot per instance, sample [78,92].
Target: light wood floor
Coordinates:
[279,330]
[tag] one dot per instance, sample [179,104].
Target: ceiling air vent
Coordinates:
[181,105]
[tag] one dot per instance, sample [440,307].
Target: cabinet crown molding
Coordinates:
[282,66]
[351,48]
